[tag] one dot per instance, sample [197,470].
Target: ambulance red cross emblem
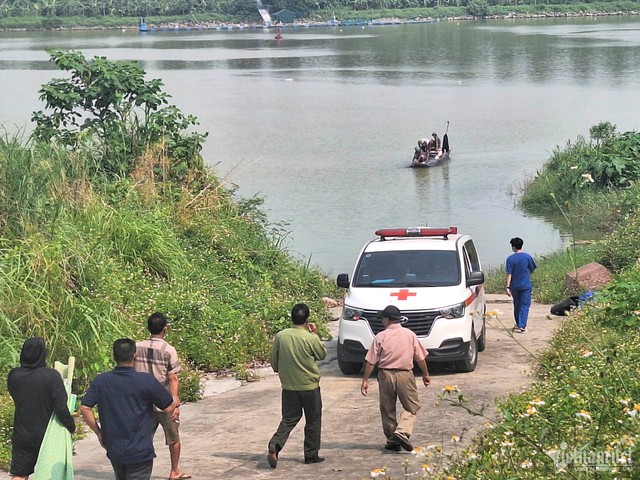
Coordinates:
[403,294]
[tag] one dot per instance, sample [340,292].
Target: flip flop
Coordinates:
[182,476]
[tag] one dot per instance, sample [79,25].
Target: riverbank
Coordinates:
[365,19]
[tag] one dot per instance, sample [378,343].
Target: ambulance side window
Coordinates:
[472,256]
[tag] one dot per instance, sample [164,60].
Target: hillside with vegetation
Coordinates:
[52,14]
[108,214]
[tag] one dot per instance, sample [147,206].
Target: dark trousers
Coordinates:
[294,403]
[133,471]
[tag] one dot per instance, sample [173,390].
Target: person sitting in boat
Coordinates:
[434,143]
[422,151]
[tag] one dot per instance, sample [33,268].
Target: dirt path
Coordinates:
[225,436]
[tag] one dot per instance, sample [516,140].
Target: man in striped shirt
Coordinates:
[157,357]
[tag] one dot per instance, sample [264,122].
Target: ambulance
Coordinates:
[434,276]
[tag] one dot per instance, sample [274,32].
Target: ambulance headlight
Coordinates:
[455,311]
[351,313]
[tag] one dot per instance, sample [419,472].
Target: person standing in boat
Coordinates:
[434,143]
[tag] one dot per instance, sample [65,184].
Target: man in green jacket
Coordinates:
[296,351]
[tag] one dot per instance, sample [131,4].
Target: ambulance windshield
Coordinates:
[412,268]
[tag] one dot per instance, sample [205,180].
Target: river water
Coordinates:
[322,124]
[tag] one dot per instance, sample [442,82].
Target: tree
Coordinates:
[111,107]
[602,131]
[478,8]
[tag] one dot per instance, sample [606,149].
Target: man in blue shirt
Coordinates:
[519,267]
[125,400]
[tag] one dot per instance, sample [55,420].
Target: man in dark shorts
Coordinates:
[125,400]
[37,392]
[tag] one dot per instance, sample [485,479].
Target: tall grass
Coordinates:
[84,262]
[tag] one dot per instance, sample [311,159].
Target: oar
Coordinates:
[445,139]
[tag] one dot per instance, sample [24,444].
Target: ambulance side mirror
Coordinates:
[343,280]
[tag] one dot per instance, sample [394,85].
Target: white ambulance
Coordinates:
[434,276]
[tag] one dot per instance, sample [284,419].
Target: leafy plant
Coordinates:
[478,8]
[109,108]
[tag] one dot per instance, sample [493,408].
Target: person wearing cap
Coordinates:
[393,351]
[37,392]
[157,357]
[294,356]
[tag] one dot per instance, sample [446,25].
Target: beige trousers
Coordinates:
[398,385]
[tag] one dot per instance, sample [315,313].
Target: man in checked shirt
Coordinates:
[157,357]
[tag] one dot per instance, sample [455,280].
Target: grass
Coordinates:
[549,278]
[581,420]
[84,263]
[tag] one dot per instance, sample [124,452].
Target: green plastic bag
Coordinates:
[55,459]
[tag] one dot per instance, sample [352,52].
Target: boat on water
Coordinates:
[431,152]
[434,157]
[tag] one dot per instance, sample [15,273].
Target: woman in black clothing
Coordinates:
[37,392]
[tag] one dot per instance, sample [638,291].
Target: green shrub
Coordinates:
[621,247]
[189,382]
[586,400]
[495,280]
[621,299]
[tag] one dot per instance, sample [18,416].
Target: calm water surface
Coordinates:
[323,124]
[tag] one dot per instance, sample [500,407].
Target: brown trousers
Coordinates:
[398,385]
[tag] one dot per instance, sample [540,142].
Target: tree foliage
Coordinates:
[110,107]
[246,10]
[478,8]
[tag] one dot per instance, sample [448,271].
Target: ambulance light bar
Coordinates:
[416,232]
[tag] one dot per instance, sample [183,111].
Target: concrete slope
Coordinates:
[225,436]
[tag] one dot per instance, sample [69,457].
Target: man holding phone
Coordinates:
[294,356]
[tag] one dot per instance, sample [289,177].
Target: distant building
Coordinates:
[284,16]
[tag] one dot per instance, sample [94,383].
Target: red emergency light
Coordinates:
[416,232]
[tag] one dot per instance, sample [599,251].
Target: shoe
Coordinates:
[272,456]
[403,440]
[395,447]
[522,330]
[316,459]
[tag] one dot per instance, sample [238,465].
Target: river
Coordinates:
[322,124]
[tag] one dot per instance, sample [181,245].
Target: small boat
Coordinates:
[434,158]
[430,153]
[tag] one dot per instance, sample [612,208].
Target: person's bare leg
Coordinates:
[174,453]
[20,478]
